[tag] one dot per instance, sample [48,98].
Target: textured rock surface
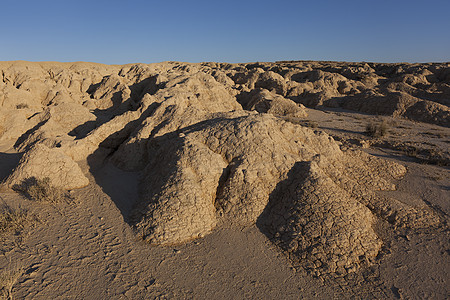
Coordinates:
[212,146]
[264,101]
[231,168]
[41,162]
[320,224]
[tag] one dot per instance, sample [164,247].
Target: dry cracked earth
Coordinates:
[283,180]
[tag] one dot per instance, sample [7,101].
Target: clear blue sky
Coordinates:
[118,32]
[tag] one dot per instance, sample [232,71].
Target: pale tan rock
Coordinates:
[273,82]
[68,116]
[180,195]
[41,162]
[429,112]
[318,87]
[57,123]
[14,123]
[246,78]
[111,93]
[205,161]
[185,100]
[256,155]
[264,101]
[40,84]
[309,214]
[107,135]
[13,98]
[400,104]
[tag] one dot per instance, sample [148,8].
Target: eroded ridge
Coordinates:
[223,145]
[294,182]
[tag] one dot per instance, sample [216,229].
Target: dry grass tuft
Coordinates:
[8,277]
[21,106]
[377,130]
[312,124]
[293,120]
[301,121]
[13,220]
[40,190]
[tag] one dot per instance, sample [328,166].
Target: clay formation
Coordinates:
[223,145]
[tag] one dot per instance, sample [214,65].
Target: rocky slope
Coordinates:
[218,145]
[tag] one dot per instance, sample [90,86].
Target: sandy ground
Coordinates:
[85,249]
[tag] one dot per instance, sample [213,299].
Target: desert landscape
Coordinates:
[274,180]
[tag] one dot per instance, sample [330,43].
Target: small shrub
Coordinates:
[293,120]
[301,121]
[383,128]
[393,123]
[40,190]
[437,157]
[377,130]
[2,130]
[8,277]
[371,129]
[313,124]
[13,220]
[22,106]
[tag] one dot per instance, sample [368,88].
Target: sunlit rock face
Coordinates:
[220,145]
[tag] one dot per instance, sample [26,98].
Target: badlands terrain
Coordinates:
[283,180]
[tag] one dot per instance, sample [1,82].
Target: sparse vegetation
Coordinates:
[13,220]
[403,127]
[312,124]
[393,122]
[377,129]
[433,156]
[301,121]
[293,120]
[437,157]
[8,277]
[40,190]
[2,130]
[22,106]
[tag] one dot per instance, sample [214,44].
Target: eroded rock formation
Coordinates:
[215,145]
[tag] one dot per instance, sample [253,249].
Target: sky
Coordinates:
[132,31]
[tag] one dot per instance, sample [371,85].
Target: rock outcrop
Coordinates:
[264,101]
[213,147]
[250,168]
[42,162]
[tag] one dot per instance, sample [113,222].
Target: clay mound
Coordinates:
[42,162]
[372,88]
[318,87]
[119,88]
[321,226]
[184,101]
[13,123]
[429,112]
[204,161]
[111,92]
[55,125]
[400,104]
[39,84]
[241,170]
[256,77]
[264,101]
